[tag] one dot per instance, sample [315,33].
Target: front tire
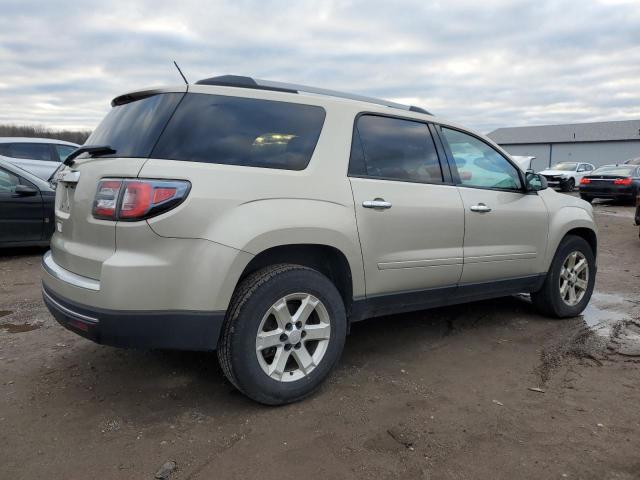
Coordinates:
[285,331]
[569,185]
[569,283]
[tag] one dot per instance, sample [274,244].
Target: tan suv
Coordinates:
[261,219]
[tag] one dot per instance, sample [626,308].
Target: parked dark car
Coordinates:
[618,182]
[638,212]
[26,208]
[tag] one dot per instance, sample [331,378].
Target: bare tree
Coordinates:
[75,136]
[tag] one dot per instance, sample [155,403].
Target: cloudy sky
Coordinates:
[483,63]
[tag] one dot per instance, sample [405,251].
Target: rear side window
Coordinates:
[132,129]
[241,131]
[64,151]
[394,149]
[31,151]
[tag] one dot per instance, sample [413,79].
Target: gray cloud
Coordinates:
[484,64]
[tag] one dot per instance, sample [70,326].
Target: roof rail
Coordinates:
[248,82]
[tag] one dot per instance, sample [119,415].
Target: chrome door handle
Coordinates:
[378,203]
[481,207]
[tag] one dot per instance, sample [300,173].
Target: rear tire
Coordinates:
[586,198]
[555,298]
[262,349]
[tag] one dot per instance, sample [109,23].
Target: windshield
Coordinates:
[616,170]
[566,166]
[133,129]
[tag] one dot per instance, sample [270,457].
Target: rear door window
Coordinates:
[28,151]
[241,131]
[394,149]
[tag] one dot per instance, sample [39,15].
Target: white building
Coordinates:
[598,143]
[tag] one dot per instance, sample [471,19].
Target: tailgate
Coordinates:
[82,243]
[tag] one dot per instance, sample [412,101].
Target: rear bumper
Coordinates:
[608,192]
[179,330]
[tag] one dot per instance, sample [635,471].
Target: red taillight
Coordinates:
[623,181]
[585,181]
[161,194]
[137,199]
[106,201]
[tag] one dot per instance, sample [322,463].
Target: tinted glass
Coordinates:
[8,182]
[31,151]
[241,131]
[64,151]
[132,129]
[398,149]
[615,170]
[479,165]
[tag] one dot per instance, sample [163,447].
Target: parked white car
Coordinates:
[40,156]
[566,175]
[523,161]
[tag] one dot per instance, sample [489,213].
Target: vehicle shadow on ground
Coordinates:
[14,252]
[148,385]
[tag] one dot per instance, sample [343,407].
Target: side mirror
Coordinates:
[535,182]
[25,191]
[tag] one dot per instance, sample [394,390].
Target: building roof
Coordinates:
[572,132]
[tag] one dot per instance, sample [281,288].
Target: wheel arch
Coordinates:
[570,221]
[328,260]
[588,235]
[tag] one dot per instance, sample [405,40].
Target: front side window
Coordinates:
[8,182]
[479,164]
[397,149]
[241,131]
[27,151]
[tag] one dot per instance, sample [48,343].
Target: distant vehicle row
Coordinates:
[40,156]
[616,182]
[566,175]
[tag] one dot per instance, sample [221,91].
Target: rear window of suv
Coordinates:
[133,129]
[241,131]
[220,129]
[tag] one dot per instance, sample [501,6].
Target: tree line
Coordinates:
[75,136]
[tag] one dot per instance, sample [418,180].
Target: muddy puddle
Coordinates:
[611,316]
[18,327]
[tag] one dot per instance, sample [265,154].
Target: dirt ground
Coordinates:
[441,394]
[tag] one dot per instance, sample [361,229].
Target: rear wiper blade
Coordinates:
[93,150]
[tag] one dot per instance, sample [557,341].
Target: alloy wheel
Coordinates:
[293,337]
[574,278]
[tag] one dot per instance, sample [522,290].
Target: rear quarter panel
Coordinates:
[253,209]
